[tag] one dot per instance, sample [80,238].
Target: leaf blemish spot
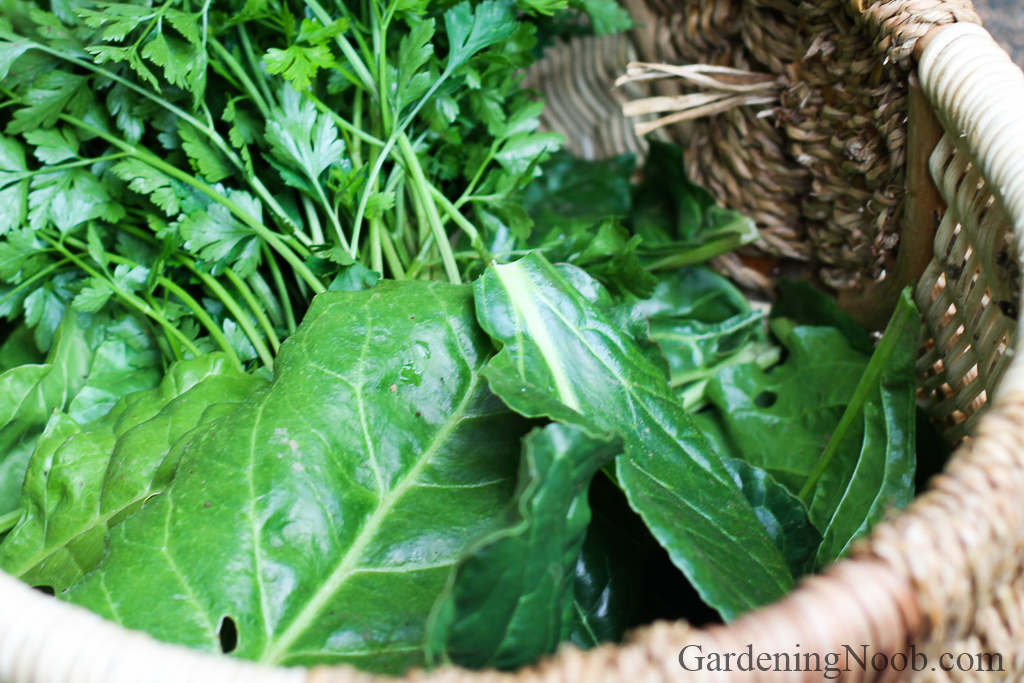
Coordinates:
[228,635]
[394,388]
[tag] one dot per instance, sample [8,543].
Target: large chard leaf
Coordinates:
[780,421]
[93,362]
[324,515]
[869,464]
[83,480]
[560,355]
[511,599]
[831,423]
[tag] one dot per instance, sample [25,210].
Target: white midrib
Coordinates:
[514,279]
[278,648]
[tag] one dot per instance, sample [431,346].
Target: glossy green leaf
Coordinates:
[572,189]
[784,517]
[560,355]
[804,305]
[324,514]
[679,222]
[781,420]
[83,480]
[511,599]
[831,423]
[702,323]
[90,365]
[870,463]
[19,349]
[610,572]
[605,251]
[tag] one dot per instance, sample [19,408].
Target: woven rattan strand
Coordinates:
[947,575]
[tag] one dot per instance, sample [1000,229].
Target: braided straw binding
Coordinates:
[945,576]
[824,173]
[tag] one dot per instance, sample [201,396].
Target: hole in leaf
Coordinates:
[766,399]
[47,590]
[228,634]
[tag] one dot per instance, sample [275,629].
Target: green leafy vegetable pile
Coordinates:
[318,351]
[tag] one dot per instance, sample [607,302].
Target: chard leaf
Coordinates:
[702,323]
[610,572]
[829,422]
[679,222]
[804,305]
[783,515]
[780,421]
[83,480]
[324,514]
[577,190]
[83,371]
[510,600]
[868,466]
[562,356]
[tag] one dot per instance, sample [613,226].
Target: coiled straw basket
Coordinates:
[881,142]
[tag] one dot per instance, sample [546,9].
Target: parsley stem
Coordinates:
[282,290]
[22,175]
[462,222]
[257,310]
[865,388]
[45,272]
[10,520]
[224,296]
[316,232]
[346,48]
[265,233]
[201,314]
[266,357]
[129,298]
[422,189]
[331,213]
[394,263]
[250,56]
[242,76]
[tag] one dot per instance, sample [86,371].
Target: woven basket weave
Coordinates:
[941,108]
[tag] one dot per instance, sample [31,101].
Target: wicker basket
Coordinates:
[893,152]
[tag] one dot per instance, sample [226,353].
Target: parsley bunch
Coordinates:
[210,166]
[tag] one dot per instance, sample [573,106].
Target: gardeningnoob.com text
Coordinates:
[832,664]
